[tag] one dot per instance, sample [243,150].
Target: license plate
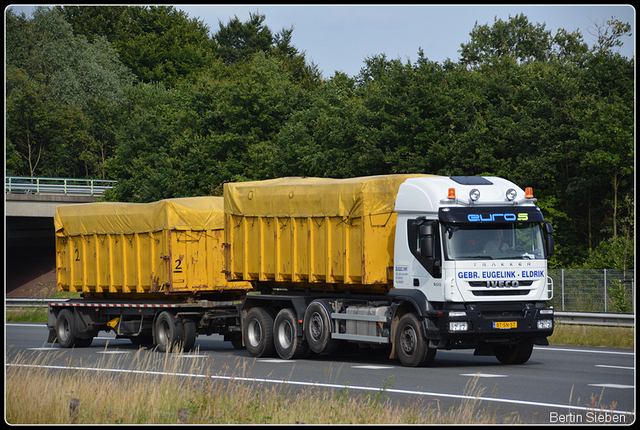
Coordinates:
[505,324]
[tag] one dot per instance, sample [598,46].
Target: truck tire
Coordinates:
[168,332]
[287,336]
[258,332]
[142,339]
[515,354]
[189,334]
[66,331]
[317,326]
[411,345]
[236,339]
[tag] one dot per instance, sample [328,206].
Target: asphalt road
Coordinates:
[555,386]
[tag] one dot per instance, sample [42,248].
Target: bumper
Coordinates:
[487,324]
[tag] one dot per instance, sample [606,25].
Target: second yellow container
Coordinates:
[313,233]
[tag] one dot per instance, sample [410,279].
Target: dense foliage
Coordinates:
[154,99]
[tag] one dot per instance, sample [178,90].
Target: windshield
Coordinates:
[493,241]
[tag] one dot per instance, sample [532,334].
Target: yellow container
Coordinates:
[315,233]
[170,247]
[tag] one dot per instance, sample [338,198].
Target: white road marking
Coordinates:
[46,348]
[113,352]
[483,375]
[614,367]
[611,385]
[543,348]
[275,360]
[371,367]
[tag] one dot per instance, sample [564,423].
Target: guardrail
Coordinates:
[33,185]
[577,318]
[31,303]
[595,318]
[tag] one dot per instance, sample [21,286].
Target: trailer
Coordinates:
[150,272]
[299,266]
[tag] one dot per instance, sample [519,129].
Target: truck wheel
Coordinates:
[317,326]
[142,339]
[168,333]
[236,339]
[287,336]
[66,331]
[189,333]
[258,332]
[515,354]
[413,349]
[82,342]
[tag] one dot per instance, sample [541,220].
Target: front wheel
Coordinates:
[412,347]
[515,354]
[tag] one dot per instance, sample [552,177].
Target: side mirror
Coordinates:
[426,246]
[426,239]
[549,241]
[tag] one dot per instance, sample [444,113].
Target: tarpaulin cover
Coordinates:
[186,213]
[314,197]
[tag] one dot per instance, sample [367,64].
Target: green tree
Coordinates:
[143,163]
[190,139]
[609,34]
[54,78]
[516,38]
[158,43]
[324,137]
[27,123]
[72,70]
[238,41]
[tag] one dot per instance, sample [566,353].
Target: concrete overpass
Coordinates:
[41,205]
[30,205]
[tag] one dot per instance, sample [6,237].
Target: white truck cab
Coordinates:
[476,248]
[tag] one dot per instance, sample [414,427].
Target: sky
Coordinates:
[341,37]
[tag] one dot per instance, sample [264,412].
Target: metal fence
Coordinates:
[593,290]
[33,185]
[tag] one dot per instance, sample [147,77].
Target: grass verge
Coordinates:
[579,335]
[142,395]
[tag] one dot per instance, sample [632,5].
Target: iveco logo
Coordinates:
[499,284]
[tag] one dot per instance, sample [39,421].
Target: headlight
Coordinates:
[511,194]
[545,324]
[458,326]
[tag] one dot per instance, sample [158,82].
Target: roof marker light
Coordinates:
[452,193]
[528,193]
[511,194]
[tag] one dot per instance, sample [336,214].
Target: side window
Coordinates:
[424,243]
